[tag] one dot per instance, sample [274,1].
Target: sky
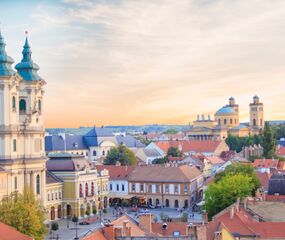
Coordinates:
[122,62]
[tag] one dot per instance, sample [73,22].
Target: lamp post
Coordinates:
[76,229]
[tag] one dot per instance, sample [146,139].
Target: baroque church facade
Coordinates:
[22,155]
[226,122]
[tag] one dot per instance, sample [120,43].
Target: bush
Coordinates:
[94,211]
[105,210]
[54,226]
[74,219]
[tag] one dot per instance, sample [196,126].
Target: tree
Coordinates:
[54,227]
[120,154]
[268,141]
[225,192]
[174,152]
[24,212]
[170,131]
[237,168]
[160,160]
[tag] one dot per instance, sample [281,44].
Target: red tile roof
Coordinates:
[190,146]
[171,228]
[117,172]
[98,235]
[215,160]
[264,179]
[243,223]
[265,163]
[10,233]
[281,151]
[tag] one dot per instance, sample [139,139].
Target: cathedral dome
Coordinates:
[5,60]
[225,111]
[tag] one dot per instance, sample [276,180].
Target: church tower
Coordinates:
[256,115]
[22,153]
[232,104]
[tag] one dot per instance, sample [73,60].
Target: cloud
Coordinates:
[148,60]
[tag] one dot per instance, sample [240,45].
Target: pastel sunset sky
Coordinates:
[138,62]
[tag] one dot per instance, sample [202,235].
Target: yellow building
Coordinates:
[226,122]
[84,188]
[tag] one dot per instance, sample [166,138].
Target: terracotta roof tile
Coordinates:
[182,173]
[171,228]
[9,233]
[265,163]
[215,160]
[281,151]
[117,172]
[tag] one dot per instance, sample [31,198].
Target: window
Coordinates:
[103,152]
[14,103]
[261,122]
[185,189]
[141,188]
[15,183]
[167,188]
[14,145]
[94,153]
[176,188]
[92,189]
[111,186]
[123,187]
[80,190]
[117,187]
[86,189]
[157,188]
[56,196]
[39,105]
[225,121]
[22,106]
[48,197]
[231,121]
[254,122]
[219,121]
[150,188]
[38,184]
[59,195]
[52,196]
[133,187]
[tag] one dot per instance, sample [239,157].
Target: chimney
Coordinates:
[232,212]
[237,204]
[125,231]
[118,231]
[205,217]
[145,222]
[245,203]
[201,232]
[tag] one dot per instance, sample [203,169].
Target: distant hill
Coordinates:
[128,129]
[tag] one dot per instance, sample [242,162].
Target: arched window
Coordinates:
[219,121]
[48,197]
[22,106]
[254,122]
[14,103]
[15,183]
[92,189]
[14,145]
[86,189]
[40,105]
[225,121]
[38,184]
[80,190]
[94,153]
[231,121]
[103,152]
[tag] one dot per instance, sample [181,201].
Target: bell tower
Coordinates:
[256,115]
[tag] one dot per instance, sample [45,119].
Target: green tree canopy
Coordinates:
[170,131]
[120,154]
[174,152]
[268,141]
[24,213]
[225,192]
[237,168]
[237,143]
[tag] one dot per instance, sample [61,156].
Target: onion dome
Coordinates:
[5,60]
[225,111]
[27,69]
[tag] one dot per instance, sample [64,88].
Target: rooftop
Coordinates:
[117,172]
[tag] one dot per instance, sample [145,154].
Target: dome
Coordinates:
[231,99]
[225,111]
[255,97]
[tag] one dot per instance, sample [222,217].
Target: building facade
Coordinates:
[22,155]
[85,190]
[226,122]
[173,187]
